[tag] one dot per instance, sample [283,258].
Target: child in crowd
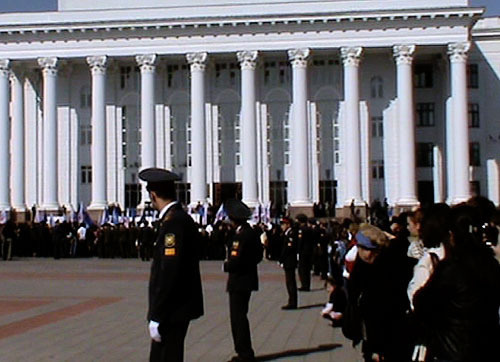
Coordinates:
[336,302]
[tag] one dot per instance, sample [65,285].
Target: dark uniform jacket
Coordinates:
[305,245]
[245,253]
[289,250]
[175,292]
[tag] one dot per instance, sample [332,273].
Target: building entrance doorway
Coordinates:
[425,193]
[226,190]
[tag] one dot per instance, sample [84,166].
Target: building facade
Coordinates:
[277,102]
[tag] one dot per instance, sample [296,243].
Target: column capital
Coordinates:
[458,52]
[247,59]
[4,67]
[351,56]
[48,65]
[97,64]
[197,61]
[147,62]
[299,57]
[403,53]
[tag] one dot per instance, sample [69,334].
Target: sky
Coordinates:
[493,6]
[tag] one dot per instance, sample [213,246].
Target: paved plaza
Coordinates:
[94,310]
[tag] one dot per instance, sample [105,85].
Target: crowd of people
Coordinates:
[422,286]
[426,287]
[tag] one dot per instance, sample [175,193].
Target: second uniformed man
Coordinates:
[175,293]
[244,253]
[288,261]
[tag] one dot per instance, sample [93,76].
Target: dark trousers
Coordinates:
[291,286]
[305,275]
[171,347]
[240,328]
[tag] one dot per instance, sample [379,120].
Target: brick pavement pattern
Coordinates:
[94,310]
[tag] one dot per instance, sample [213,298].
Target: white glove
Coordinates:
[153,331]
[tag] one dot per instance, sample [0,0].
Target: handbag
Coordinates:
[352,322]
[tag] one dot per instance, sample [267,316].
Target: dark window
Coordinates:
[424,76]
[86,174]
[474,154]
[473,115]
[327,191]
[278,195]
[425,114]
[425,154]
[183,191]
[472,76]
[124,76]
[378,169]
[377,87]
[377,127]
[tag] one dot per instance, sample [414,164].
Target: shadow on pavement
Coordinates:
[298,352]
[312,306]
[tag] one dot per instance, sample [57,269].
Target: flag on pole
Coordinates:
[221,214]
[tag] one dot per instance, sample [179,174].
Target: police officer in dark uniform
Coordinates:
[175,293]
[305,246]
[288,260]
[244,253]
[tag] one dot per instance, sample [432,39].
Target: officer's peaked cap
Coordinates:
[237,210]
[158,175]
[285,220]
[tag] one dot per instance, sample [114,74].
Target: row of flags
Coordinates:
[261,214]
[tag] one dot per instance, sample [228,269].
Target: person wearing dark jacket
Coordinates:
[377,286]
[305,245]
[458,306]
[175,292]
[288,260]
[244,253]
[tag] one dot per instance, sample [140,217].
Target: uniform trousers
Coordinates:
[240,328]
[291,286]
[171,347]
[305,274]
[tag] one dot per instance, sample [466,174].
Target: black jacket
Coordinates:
[175,292]
[458,308]
[289,250]
[245,253]
[305,245]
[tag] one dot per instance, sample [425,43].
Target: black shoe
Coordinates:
[302,289]
[289,307]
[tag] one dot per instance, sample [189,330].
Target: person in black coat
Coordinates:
[305,246]
[244,253]
[288,260]
[175,292]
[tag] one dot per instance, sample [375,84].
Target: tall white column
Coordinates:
[49,174]
[248,61]
[197,62]
[17,143]
[407,166]
[351,57]
[98,151]
[299,180]
[4,133]
[459,123]
[147,63]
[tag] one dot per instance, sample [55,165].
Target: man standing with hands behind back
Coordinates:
[175,293]
[245,252]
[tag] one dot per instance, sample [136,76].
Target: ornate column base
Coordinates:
[50,208]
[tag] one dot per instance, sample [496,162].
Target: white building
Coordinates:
[295,101]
